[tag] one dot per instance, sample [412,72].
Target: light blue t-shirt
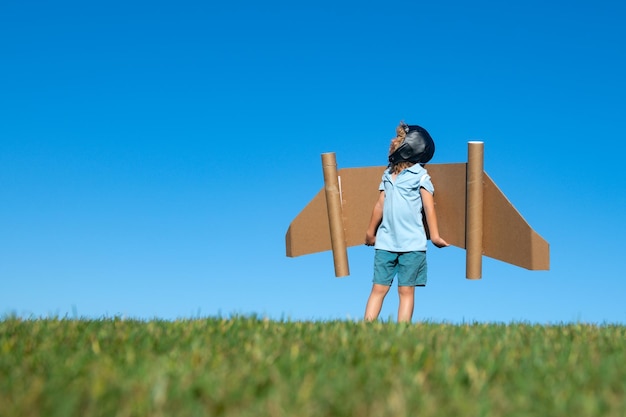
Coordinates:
[401,229]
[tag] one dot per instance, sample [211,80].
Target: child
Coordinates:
[396,228]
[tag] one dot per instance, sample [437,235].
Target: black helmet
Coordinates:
[417,147]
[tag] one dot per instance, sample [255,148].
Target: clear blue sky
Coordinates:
[153,154]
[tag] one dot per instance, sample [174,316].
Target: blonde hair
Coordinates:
[395,144]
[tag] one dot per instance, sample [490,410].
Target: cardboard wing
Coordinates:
[472,213]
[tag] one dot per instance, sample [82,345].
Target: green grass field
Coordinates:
[247,366]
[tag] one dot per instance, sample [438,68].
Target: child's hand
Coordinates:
[439,242]
[370,239]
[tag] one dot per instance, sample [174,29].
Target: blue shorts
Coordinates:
[410,267]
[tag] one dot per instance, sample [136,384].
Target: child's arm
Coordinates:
[431,218]
[377,217]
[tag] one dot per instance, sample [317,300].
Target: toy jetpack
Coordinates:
[472,212]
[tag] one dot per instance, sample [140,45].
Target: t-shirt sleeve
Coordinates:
[427,184]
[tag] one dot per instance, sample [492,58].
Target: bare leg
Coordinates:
[407,301]
[375,302]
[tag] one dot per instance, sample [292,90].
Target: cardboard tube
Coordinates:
[335,215]
[474,211]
